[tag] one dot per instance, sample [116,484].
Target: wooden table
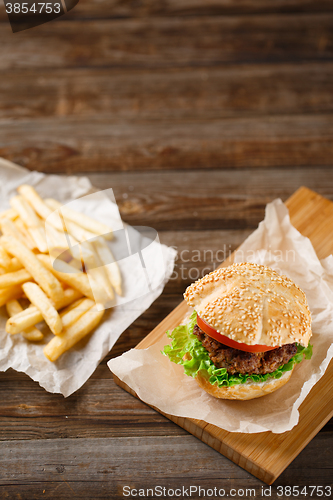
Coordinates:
[197,113]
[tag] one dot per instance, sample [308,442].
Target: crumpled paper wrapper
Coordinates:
[75,366]
[158,382]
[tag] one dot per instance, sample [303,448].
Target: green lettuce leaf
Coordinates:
[184,341]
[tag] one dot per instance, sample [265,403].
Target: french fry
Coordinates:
[39,237]
[32,315]
[32,197]
[68,297]
[76,231]
[72,305]
[25,211]
[101,285]
[4,258]
[47,281]
[15,278]
[31,221]
[15,265]
[71,314]
[55,220]
[57,239]
[32,333]
[69,275]
[38,298]
[79,233]
[89,224]
[23,320]
[110,265]
[10,293]
[69,300]
[77,264]
[55,229]
[8,227]
[30,243]
[73,334]
[52,203]
[10,213]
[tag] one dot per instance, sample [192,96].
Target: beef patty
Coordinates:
[236,361]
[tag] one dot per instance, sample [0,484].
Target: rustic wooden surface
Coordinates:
[265,455]
[197,113]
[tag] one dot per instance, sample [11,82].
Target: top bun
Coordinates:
[252,304]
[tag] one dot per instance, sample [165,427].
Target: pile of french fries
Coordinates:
[70,297]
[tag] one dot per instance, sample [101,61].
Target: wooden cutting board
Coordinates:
[266,455]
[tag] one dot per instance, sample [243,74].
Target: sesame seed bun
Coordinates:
[252,304]
[248,390]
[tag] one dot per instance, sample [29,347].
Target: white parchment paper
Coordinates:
[75,366]
[158,382]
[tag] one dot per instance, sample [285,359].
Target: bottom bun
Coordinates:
[248,390]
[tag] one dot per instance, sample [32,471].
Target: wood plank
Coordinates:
[168,94]
[69,145]
[105,8]
[97,459]
[91,402]
[114,9]
[85,427]
[266,455]
[215,199]
[92,415]
[170,42]
[100,468]
[97,455]
[99,409]
[198,252]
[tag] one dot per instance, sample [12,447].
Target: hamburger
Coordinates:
[249,328]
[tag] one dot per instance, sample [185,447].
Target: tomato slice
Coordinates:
[229,342]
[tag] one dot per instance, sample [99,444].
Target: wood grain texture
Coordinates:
[135,88]
[168,94]
[102,410]
[115,9]
[252,91]
[70,144]
[266,455]
[171,42]
[91,464]
[214,199]
[118,8]
[97,411]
